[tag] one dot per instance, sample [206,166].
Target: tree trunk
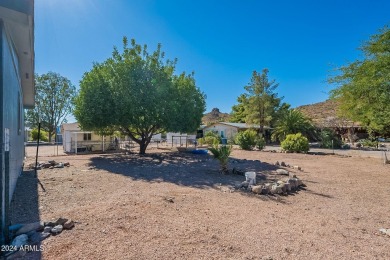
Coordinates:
[142,147]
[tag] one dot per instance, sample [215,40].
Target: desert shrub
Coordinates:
[326,137]
[260,142]
[210,138]
[368,143]
[246,140]
[222,153]
[295,143]
[43,135]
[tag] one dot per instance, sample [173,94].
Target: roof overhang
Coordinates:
[18,18]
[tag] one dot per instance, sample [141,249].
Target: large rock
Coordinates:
[28,227]
[20,240]
[282,172]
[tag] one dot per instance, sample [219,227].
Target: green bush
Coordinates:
[260,142]
[368,143]
[210,138]
[246,140]
[43,135]
[222,153]
[326,137]
[295,143]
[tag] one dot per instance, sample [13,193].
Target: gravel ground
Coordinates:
[177,206]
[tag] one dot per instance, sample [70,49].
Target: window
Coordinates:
[87,137]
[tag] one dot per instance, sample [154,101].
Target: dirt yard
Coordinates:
[177,206]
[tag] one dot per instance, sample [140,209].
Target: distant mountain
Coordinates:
[215,116]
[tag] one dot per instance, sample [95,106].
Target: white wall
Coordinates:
[228,131]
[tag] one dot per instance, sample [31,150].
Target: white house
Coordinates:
[228,130]
[75,140]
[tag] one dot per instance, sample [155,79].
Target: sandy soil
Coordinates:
[177,206]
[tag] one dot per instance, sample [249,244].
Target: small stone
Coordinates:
[50,223]
[60,165]
[67,164]
[288,187]
[292,175]
[47,229]
[61,221]
[46,165]
[68,224]
[56,230]
[257,189]
[245,184]
[282,172]
[277,163]
[276,189]
[385,231]
[283,164]
[297,167]
[264,190]
[20,240]
[45,235]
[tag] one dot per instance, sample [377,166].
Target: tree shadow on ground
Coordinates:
[185,169]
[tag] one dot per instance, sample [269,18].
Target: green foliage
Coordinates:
[363,86]
[260,142]
[369,143]
[246,140]
[292,122]
[326,136]
[222,153]
[137,93]
[239,111]
[210,138]
[43,135]
[53,95]
[260,104]
[295,143]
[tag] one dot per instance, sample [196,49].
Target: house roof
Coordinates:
[238,125]
[18,18]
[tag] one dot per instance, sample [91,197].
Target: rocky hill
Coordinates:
[215,116]
[320,111]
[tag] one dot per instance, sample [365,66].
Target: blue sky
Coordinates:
[300,42]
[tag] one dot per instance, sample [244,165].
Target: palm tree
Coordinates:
[221,153]
[293,122]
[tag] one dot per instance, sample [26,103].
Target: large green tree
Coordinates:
[54,95]
[260,104]
[363,86]
[137,93]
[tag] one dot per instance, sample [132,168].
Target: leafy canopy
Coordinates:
[136,92]
[363,86]
[293,122]
[54,95]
